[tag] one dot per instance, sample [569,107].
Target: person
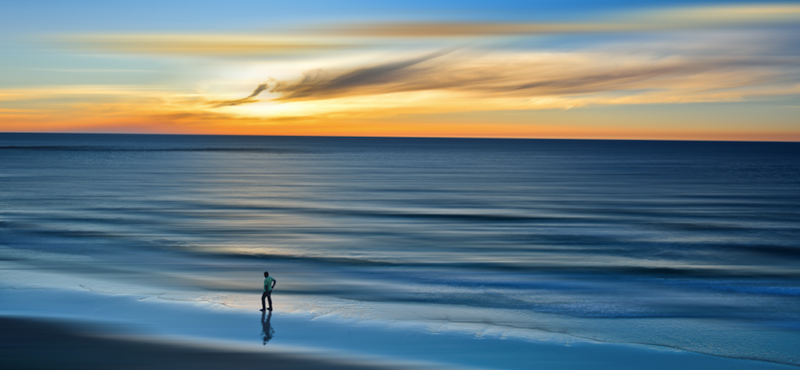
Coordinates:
[269,283]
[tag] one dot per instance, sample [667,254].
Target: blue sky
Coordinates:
[37,16]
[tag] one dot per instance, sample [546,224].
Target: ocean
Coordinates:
[686,245]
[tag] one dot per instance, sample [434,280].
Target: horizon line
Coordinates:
[399,137]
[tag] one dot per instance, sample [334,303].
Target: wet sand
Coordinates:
[47,344]
[57,329]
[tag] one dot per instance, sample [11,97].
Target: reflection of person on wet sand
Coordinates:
[266,329]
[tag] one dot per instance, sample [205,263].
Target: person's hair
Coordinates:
[266,274]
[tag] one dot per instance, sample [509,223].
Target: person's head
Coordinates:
[266,274]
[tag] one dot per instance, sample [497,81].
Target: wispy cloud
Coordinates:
[245,100]
[395,76]
[200,44]
[77,91]
[730,14]
[343,36]
[652,20]
[468,29]
[527,74]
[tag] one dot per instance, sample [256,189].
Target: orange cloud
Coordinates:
[653,20]
[199,45]
[414,126]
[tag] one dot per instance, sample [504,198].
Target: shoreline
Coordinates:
[367,342]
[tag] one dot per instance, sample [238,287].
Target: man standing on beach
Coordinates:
[269,283]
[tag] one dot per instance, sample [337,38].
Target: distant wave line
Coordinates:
[113,149]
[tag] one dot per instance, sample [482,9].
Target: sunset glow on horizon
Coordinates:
[674,71]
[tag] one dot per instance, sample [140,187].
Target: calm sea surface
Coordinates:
[693,245]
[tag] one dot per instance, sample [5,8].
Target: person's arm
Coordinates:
[273,283]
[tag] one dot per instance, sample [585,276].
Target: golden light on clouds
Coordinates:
[464,29]
[200,44]
[651,20]
[731,14]
[442,83]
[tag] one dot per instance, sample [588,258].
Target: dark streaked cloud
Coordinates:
[245,100]
[533,75]
[322,83]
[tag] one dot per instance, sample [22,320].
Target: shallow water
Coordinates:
[691,245]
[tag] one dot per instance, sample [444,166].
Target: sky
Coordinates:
[662,70]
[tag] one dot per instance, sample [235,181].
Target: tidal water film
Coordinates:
[685,245]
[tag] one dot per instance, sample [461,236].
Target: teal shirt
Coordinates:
[268,283]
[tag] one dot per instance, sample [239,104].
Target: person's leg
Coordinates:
[262,301]
[269,298]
